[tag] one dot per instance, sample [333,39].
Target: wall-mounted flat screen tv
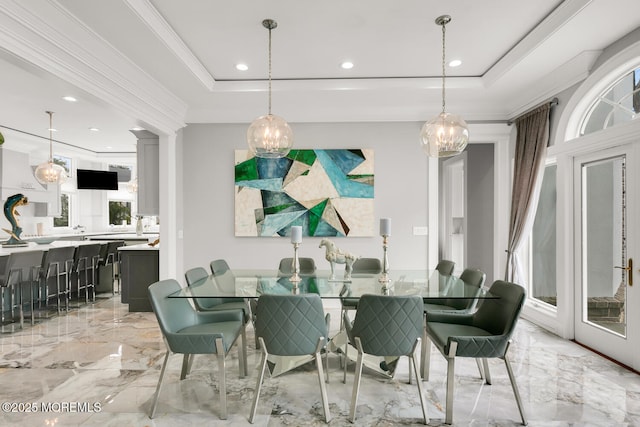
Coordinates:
[96,180]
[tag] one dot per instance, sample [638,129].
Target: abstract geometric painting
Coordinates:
[327,192]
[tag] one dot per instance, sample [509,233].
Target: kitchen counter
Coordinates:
[32,246]
[124,236]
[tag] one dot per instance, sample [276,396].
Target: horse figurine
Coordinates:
[337,256]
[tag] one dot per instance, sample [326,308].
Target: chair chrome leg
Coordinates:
[154,404]
[487,372]
[516,392]
[263,367]
[186,366]
[412,363]
[242,353]
[451,359]
[321,380]
[426,357]
[480,369]
[344,366]
[356,381]
[222,382]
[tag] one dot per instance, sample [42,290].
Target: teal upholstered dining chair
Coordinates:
[471,277]
[188,332]
[307,266]
[360,266]
[193,275]
[291,325]
[445,267]
[483,334]
[386,326]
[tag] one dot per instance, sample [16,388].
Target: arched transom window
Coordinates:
[618,103]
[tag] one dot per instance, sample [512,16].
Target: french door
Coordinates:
[607,235]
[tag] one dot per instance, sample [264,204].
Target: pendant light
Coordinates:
[270,136]
[49,172]
[446,134]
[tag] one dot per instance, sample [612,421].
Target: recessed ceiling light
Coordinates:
[52,130]
[242,67]
[137,128]
[69,98]
[455,63]
[94,129]
[346,65]
[108,147]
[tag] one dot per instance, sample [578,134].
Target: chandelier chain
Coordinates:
[443,67]
[50,113]
[269,70]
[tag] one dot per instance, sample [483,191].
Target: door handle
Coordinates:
[629,270]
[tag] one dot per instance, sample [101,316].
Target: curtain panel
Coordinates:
[532,138]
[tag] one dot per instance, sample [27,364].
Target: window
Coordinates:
[65,162]
[119,212]
[619,103]
[542,256]
[63,219]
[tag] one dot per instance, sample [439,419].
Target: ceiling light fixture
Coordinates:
[69,98]
[49,172]
[346,65]
[242,67]
[455,63]
[270,136]
[446,134]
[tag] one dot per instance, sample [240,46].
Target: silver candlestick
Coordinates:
[384,277]
[295,278]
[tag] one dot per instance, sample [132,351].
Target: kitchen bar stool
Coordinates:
[22,268]
[110,264]
[57,264]
[85,265]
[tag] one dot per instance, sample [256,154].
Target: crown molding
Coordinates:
[48,36]
[568,74]
[152,18]
[560,16]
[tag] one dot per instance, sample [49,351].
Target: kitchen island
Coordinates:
[139,267]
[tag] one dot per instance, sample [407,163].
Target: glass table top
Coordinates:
[253,283]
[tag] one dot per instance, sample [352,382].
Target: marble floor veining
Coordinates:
[99,365]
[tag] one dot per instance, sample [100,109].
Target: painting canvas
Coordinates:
[327,192]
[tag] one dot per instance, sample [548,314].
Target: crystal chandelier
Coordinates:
[446,134]
[270,136]
[49,172]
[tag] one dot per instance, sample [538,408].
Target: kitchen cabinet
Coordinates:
[16,177]
[148,165]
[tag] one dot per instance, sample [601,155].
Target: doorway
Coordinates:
[454,212]
[605,210]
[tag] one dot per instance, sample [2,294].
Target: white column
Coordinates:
[168,207]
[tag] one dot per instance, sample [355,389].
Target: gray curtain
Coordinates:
[531,147]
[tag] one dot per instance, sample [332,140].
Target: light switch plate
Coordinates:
[420,231]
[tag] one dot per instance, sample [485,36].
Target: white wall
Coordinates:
[208,194]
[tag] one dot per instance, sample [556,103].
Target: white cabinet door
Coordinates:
[148,157]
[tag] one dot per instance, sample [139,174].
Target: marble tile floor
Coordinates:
[99,365]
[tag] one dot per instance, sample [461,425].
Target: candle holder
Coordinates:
[384,277]
[295,278]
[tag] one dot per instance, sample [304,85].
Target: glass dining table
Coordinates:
[250,284]
[429,284]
